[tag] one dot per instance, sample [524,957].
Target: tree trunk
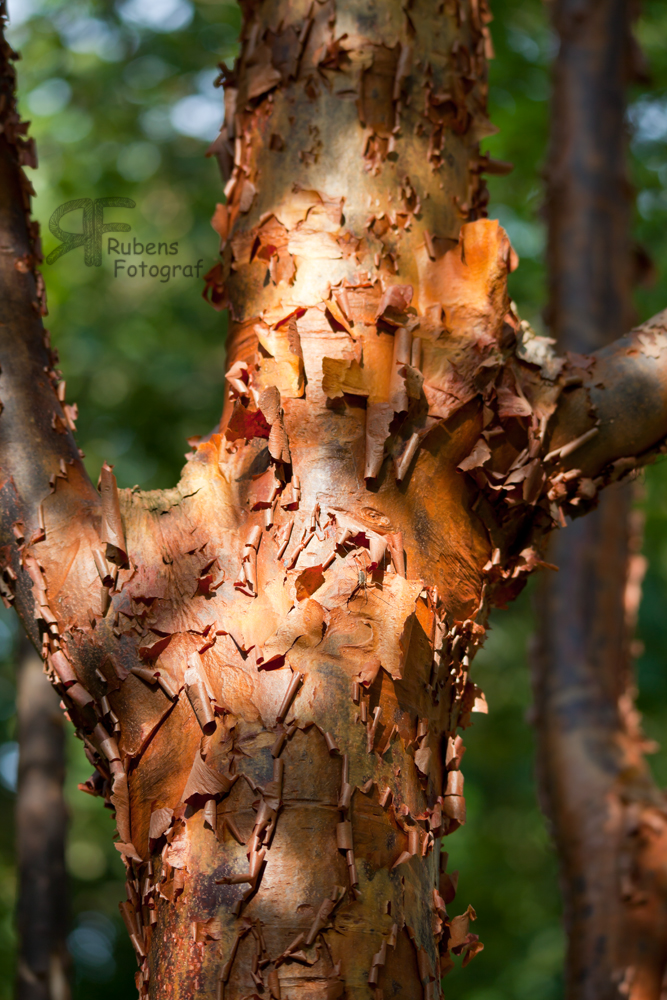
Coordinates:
[606,815]
[269,663]
[41,827]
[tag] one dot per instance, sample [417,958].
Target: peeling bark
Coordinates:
[269,664]
[607,816]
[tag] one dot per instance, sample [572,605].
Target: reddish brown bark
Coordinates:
[269,663]
[588,204]
[41,827]
[606,815]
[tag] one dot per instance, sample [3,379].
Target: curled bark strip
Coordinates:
[58,662]
[160,822]
[113,535]
[292,688]
[201,705]
[284,537]
[205,782]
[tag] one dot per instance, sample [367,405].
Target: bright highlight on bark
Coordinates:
[269,664]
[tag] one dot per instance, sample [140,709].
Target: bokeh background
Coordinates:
[122,103]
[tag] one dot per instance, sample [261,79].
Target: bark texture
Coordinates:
[269,664]
[41,828]
[607,817]
[588,194]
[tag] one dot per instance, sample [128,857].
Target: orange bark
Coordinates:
[269,663]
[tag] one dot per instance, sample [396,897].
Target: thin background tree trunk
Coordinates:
[41,828]
[594,785]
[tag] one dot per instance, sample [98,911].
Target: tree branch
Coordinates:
[621,402]
[36,441]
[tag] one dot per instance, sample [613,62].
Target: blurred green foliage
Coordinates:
[122,106]
[121,102]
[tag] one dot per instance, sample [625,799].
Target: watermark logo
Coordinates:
[127,257]
[94,228]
